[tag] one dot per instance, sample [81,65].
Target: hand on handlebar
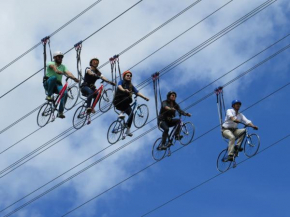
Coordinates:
[147,99]
[76,80]
[188,114]
[255,127]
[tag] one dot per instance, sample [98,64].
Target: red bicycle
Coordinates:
[47,109]
[106,98]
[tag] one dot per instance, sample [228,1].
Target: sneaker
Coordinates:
[178,137]
[162,147]
[121,115]
[60,115]
[89,110]
[48,98]
[93,111]
[128,133]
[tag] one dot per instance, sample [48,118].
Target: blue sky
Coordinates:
[258,186]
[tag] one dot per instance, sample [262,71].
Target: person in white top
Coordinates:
[230,128]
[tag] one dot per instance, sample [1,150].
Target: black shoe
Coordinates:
[60,115]
[178,137]
[162,147]
[239,148]
[230,158]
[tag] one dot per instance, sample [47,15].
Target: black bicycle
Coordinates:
[140,116]
[186,133]
[250,144]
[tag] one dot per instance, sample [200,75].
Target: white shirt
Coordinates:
[232,113]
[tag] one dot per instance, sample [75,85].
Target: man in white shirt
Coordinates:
[230,128]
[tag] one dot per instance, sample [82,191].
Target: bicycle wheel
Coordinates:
[187,132]
[106,100]
[252,145]
[44,114]
[80,117]
[114,132]
[158,154]
[72,97]
[141,116]
[222,164]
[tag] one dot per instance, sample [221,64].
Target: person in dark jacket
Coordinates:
[123,98]
[92,74]
[166,117]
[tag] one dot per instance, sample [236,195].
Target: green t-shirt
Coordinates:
[50,72]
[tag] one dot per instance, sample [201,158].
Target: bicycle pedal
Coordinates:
[123,137]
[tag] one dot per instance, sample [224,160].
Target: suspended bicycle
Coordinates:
[140,116]
[250,145]
[104,95]
[186,133]
[47,110]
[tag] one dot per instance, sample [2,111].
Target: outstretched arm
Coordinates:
[70,75]
[106,80]
[141,95]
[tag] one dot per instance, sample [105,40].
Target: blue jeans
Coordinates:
[88,92]
[51,86]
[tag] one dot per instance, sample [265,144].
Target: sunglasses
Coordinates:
[60,57]
[129,76]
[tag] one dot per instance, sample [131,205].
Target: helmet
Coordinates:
[57,53]
[171,92]
[94,58]
[235,102]
[126,72]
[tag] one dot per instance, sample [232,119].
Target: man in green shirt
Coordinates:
[54,72]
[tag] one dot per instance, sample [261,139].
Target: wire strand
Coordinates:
[56,31]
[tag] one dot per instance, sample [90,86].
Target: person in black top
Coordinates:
[166,117]
[92,74]
[123,98]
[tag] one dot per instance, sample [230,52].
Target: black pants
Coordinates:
[165,126]
[124,106]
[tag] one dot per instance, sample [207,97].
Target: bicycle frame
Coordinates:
[99,91]
[170,137]
[58,98]
[243,144]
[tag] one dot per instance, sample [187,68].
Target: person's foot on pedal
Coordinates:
[230,158]
[121,115]
[48,98]
[178,137]
[239,148]
[60,115]
[162,147]
[93,111]
[128,133]
[89,110]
